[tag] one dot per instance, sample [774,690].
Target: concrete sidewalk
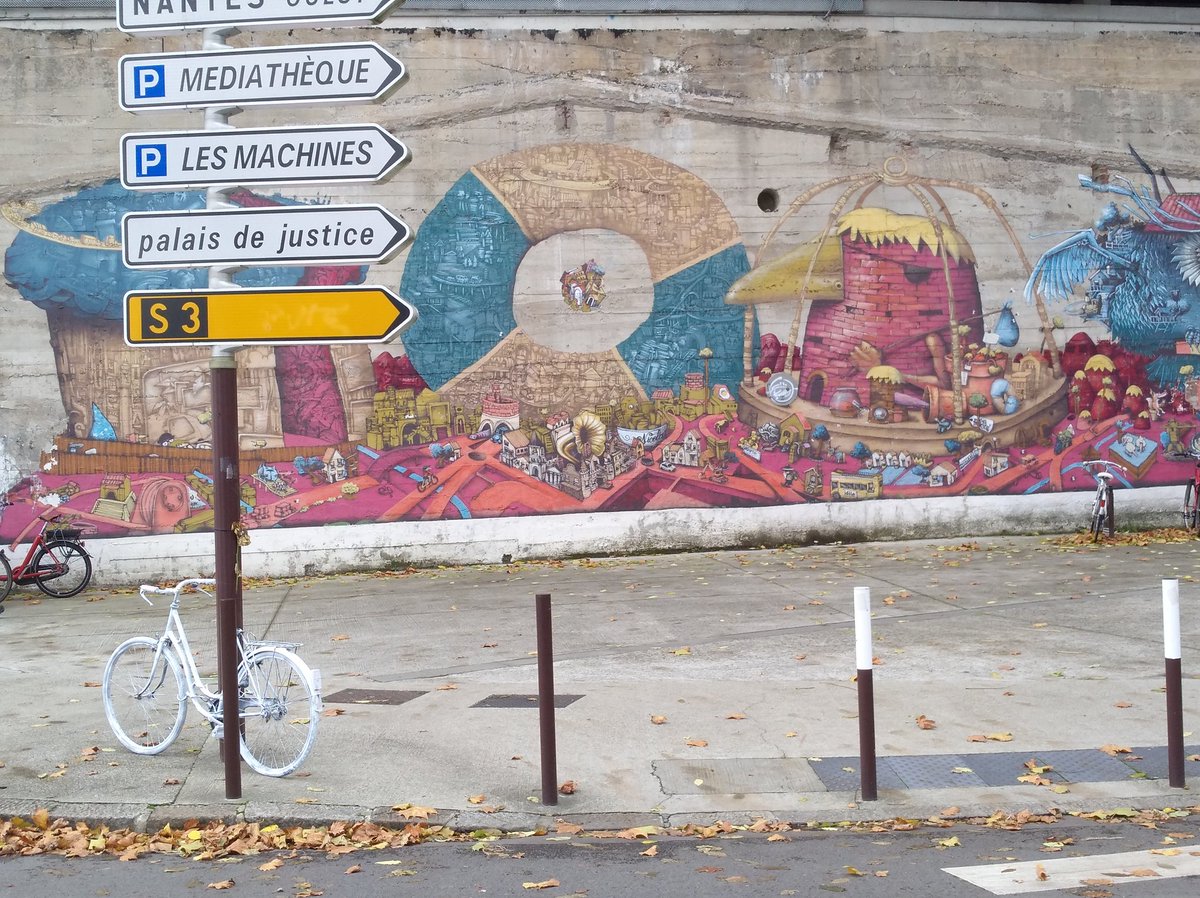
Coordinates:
[745,659]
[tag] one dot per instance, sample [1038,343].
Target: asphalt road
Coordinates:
[753,865]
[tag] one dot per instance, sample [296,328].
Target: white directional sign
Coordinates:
[309,73]
[290,155]
[164,16]
[273,235]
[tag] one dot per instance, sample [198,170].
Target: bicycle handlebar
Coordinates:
[195,583]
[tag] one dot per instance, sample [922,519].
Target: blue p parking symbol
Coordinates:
[150,160]
[149,81]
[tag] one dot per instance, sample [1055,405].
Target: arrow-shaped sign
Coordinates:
[273,235]
[292,155]
[360,72]
[268,316]
[163,16]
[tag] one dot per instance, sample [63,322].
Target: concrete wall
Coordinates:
[707,165]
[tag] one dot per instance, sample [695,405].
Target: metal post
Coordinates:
[866,693]
[226,484]
[226,499]
[545,656]
[1173,652]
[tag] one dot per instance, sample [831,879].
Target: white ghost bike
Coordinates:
[149,682]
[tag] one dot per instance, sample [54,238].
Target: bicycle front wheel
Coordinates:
[63,568]
[1191,507]
[144,698]
[279,708]
[6,583]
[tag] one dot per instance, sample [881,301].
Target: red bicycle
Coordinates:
[56,561]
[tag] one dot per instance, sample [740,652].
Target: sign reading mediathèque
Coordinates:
[360,72]
[164,16]
[291,155]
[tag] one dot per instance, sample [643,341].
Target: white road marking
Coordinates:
[1022,877]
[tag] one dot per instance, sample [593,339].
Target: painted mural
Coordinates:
[593,337]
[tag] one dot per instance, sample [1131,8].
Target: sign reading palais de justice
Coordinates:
[275,316]
[164,16]
[279,235]
[360,72]
[291,155]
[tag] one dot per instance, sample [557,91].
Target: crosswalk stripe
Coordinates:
[1023,877]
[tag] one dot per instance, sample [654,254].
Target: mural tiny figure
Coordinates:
[583,287]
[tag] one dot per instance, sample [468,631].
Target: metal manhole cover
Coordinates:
[522,701]
[371,697]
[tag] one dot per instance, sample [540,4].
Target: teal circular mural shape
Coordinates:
[461,273]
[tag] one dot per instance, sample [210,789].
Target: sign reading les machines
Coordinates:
[272,316]
[292,155]
[164,16]
[308,73]
[284,235]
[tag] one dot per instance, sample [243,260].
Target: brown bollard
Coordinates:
[545,656]
[866,693]
[1173,652]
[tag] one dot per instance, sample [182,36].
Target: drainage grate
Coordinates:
[522,701]
[371,697]
[843,774]
[1155,762]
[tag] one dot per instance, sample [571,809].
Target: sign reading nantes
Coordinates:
[161,16]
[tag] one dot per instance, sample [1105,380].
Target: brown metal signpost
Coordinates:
[223,316]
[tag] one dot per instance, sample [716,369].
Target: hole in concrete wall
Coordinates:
[768,200]
[583,315]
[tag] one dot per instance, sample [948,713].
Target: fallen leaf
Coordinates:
[91,684]
[306,801]
[171,781]
[789,607]
[1142,872]
[684,650]
[1115,750]
[1042,875]
[41,818]
[881,873]
[658,719]
[568,788]
[414,812]
[273,864]
[951,842]
[1122,704]
[854,871]
[357,868]
[477,799]
[652,851]
[340,637]
[697,743]
[962,770]
[544,884]
[446,687]
[925,723]
[223,884]
[737,715]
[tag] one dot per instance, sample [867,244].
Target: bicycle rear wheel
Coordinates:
[144,698]
[1191,506]
[1103,514]
[63,568]
[279,707]
[6,583]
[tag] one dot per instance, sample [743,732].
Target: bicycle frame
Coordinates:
[23,573]
[174,639]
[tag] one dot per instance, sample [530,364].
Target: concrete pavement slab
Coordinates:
[748,655]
